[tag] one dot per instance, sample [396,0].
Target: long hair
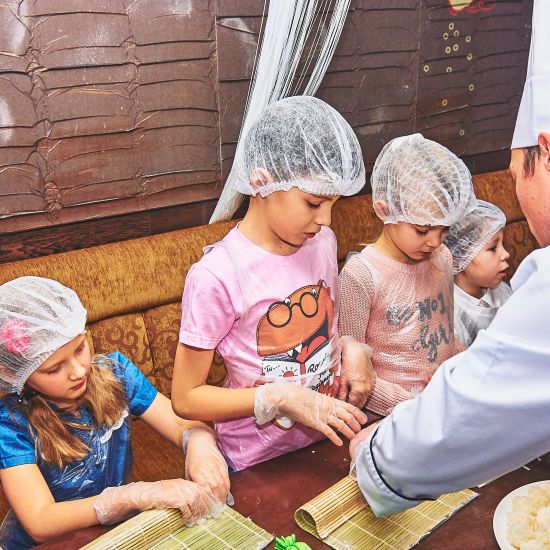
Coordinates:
[105,399]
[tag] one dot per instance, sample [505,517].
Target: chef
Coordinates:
[486,411]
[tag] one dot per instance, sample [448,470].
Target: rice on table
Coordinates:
[529,520]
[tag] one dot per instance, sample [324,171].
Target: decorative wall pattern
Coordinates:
[121,106]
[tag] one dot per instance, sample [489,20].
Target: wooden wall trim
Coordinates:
[63,238]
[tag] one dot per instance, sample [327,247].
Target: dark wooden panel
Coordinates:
[108,107]
[62,238]
[111,108]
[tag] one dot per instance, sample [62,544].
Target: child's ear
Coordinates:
[381,209]
[259,177]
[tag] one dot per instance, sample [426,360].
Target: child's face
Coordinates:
[416,242]
[488,268]
[63,376]
[294,216]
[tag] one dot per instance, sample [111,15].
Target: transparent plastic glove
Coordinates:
[204,464]
[358,376]
[116,504]
[321,412]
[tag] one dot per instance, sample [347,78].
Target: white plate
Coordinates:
[500,519]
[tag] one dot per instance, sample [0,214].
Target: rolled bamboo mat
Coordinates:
[342,519]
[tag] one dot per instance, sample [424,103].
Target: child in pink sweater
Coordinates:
[396,295]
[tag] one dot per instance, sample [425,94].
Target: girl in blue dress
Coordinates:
[65,449]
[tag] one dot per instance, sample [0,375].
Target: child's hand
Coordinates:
[321,412]
[358,376]
[355,443]
[115,504]
[204,464]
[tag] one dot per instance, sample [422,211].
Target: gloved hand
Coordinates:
[358,377]
[115,504]
[204,464]
[321,412]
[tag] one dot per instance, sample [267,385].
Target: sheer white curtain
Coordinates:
[288,26]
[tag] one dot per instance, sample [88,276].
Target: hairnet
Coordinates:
[468,236]
[422,182]
[301,142]
[37,317]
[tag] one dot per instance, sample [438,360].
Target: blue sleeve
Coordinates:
[16,443]
[139,391]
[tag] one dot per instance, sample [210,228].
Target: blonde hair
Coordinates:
[105,399]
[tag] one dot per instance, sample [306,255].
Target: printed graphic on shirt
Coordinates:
[294,339]
[426,314]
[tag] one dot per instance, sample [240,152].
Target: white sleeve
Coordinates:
[485,411]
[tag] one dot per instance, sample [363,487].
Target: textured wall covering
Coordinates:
[106,106]
[119,106]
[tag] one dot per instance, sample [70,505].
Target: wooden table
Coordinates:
[269,493]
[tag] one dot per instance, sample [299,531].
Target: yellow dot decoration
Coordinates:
[445,102]
[451,26]
[456,34]
[448,49]
[455,47]
[445,36]
[461,132]
[468,39]
[469,57]
[449,69]
[471,87]
[426,68]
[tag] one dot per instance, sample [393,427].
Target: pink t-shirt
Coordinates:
[270,317]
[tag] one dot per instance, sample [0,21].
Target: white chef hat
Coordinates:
[534,110]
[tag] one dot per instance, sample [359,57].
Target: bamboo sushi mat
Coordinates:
[342,519]
[165,530]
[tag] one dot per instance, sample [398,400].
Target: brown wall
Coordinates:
[132,108]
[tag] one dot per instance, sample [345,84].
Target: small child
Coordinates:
[65,449]
[396,294]
[265,297]
[479,265]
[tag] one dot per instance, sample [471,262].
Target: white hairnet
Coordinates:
[301,142]
[469,235]
[422,182]
[37,317]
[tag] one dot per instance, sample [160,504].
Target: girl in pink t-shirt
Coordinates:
[397,294]
[266,296]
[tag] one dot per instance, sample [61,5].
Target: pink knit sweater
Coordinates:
[405,313]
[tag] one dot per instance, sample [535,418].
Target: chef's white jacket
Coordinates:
[485,412]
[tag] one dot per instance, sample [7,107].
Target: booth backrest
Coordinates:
[132,289]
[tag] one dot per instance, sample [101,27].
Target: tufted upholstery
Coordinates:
[132,292]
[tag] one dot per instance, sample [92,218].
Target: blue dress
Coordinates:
[108,464]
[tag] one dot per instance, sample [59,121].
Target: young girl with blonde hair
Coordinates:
[396,295]
[65,451]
